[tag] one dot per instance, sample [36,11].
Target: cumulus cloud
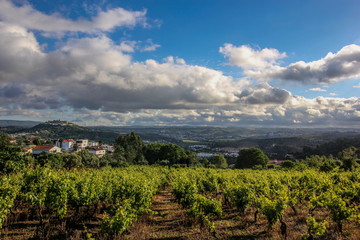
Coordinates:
[95,73]
[97,80]
[334,67]
[249,58]
[28,17]
[317,90]
[150,46]
[100,82]
[264,94]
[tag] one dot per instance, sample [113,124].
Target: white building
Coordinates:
[46,149]
[66,144]
[93,144]
[108,147]
[82,143]
[98,151]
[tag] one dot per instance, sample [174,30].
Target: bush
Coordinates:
[251,157]
[288,164]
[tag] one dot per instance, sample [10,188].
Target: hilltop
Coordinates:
[53,130]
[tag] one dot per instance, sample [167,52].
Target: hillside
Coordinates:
[24,124]
[48,131]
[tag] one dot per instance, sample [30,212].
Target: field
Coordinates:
[179,203]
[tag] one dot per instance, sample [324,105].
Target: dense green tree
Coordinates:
[219,161]
[251,157]
[152,152]
[4,139]
[131,147]
[192,158]
[88,159]
[205,162]
[72,160]
[52,160]
[11,159]
[288,164]
[173,153]
[314,161]
[348,157]
[37,142]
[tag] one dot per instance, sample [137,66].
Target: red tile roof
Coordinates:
[43,148]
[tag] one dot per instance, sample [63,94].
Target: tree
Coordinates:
[152,152]
[37,142]
[348,157]
[131,147]
[173,153]
[4,140]
[192,159]
[251,157]
[288,164]
[11,159]
[219,161]
[88,159]
[72,160]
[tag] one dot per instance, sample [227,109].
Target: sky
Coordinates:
[235,63]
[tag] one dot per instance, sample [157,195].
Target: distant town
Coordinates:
[35,145]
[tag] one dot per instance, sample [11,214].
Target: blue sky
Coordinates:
[159,62]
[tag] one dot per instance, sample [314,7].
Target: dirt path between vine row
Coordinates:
[168,223]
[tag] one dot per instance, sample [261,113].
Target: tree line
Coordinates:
[131,150]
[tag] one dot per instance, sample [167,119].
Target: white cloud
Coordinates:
[150,46]
[317,90]
[357,86]
[128,46]
[209,119]
[30,18]
[333,68]
[99,82]
[249,58]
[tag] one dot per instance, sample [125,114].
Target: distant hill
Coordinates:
[16,123]
[51,131]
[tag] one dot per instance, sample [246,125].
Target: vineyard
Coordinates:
[116,203]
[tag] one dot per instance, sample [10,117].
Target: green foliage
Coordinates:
[251,157]
[339,210]
[288,164]
[129,147]
[87,159]
[348,157]
[169,154]
[38,142]
[314,227]
[9,190]
[241,196]
[219,161]
[72,160]
[11,159]
[327,166]
[273,209]
[4,140]
[120,219]
[185,191]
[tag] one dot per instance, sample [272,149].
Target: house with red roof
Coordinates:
[98,151]
[45,149]
[66,144]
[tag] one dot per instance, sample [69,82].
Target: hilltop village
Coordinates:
[36,145]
